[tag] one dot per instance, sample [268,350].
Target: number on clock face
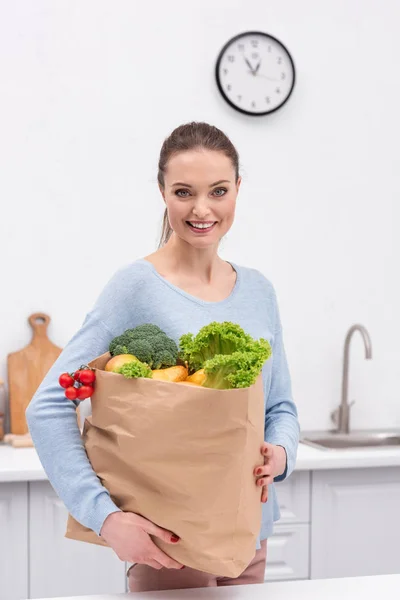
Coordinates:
[255,73]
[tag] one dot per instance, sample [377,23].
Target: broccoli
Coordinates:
[129,334]
[236,370]
[212,339]
[120,350]
[135,369]
[149,344]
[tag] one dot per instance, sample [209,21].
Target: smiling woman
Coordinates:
[202,226]
[206,194]
[181,287]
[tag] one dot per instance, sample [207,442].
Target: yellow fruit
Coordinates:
[198,377]
[190,383]
[117,361]
[174,374]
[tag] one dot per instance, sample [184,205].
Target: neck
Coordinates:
[179,256]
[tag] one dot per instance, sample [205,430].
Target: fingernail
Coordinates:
[174,538]
[259,471]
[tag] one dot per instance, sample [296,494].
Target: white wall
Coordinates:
[89,90]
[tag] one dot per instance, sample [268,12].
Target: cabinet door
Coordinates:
[60,566]
[355,528]
[288,553]
[13,541]
[294,498]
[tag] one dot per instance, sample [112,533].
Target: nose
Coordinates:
[201,209]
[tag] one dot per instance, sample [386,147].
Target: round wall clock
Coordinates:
[255,73]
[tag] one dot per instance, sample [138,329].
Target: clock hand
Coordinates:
[249,65]
[266,77]
[255,71]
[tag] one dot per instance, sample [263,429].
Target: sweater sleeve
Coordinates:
[52,423]
[281,419]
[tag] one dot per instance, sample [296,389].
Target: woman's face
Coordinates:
[200,189]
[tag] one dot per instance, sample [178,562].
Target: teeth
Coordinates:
[202,225]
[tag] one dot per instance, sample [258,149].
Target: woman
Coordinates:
[180,287]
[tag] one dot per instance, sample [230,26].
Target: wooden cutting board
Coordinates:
[27,369]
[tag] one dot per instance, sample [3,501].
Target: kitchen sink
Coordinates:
[332,440]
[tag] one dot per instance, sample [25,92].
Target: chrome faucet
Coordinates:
[341,416]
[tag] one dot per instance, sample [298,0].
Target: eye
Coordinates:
[179,193]
[223,190]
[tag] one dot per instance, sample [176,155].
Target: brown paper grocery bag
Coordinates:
[183,457]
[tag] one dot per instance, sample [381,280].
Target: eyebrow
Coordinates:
[212,185]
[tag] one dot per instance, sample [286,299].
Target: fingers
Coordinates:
[262,470]
[263,475]
[163,534]
[267,449]
[264,495]
[266,480]
[154,564]
[165,560]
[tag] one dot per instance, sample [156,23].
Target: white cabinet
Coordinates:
[334,523]
[13,541]
[288,553]
[288,549]
[355,522]
[60,566]
[294,498]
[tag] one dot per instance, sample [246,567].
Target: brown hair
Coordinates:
[192,136]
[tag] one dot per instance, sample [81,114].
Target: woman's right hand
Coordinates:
[128,534]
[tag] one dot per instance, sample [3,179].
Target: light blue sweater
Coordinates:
[138,294]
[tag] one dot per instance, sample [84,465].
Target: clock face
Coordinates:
[255,73]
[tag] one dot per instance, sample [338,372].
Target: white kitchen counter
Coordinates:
[349,588]
[313,459]
[23,464]
[20,464]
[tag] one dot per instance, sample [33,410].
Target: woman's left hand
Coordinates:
[274,465]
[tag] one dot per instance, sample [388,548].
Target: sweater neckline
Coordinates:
[191,297]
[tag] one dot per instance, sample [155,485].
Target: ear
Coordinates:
[239,181]
[162,191]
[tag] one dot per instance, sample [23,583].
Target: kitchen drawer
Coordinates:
[355,527]
[288,555]
[13,540]
[59,566]
[294,498]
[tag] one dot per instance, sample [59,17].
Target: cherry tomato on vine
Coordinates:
[65,380]
[85,391]
[71,393]
[87,376]
[77,375]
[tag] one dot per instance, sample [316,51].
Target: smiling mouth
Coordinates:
[200,227]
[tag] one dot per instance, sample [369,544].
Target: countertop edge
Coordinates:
[23,464]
